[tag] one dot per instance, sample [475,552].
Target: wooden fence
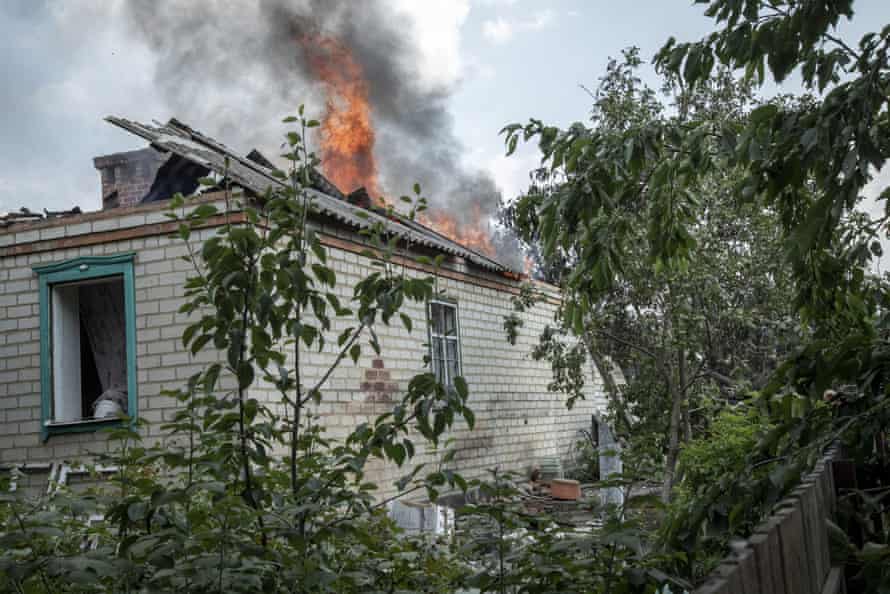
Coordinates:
[789,552]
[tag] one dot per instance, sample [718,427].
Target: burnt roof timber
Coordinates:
[190,144]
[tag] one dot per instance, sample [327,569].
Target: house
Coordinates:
[89,320]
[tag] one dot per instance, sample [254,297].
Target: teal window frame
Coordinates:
[79,269]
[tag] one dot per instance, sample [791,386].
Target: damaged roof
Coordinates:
[26,215]
[250,174]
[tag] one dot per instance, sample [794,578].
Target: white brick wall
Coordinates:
[517,420]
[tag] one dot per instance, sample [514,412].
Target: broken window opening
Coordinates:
[89,350]
[87,343]
[444,342]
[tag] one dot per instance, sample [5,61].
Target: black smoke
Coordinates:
[234,68]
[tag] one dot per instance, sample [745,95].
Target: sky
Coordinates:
[68,63]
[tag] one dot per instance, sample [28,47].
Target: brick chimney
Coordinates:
[127,177]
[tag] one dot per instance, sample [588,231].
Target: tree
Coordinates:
[703,327]
[807,161]
[810,161]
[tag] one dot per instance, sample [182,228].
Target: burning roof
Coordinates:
[253,173]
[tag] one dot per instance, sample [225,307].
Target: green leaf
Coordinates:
[355,352]
[460,385]
[245,374]
[469,417]
[763,113]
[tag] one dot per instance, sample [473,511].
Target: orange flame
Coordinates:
[476,235]
[347,137]
[347,134]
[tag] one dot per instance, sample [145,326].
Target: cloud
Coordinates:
[511,174]
[502,30]
[60,83]
[436,35]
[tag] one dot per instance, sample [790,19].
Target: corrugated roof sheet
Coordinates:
[191,144]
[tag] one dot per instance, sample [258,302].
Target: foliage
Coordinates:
[627,203]
[526,299]
[722,449]
[585,458]
[810,161]
[516,551]
[248,494]
[711,324]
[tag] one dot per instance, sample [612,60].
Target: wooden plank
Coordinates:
[821,514]
[835,582]
[825,489]
[791,538]
[763,561]
[832,489]
[815,571]
[729,571]
[714,585]
[774,551]
[747,570]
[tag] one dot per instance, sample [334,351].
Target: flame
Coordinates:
[347,138]
[347,133]
[476,235]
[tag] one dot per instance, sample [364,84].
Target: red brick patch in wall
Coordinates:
[377,385]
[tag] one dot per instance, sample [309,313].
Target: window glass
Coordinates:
[450,321]
[444,342]
[451,350]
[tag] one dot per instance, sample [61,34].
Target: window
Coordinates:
[444,342]
[87,343]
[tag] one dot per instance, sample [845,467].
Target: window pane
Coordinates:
[450,321]
[453,362]
[451,350]
[453,371]
[437,363]
[66,345]
[436,318]
[438,370]
[436,344]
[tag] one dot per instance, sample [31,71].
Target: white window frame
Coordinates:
[443,340]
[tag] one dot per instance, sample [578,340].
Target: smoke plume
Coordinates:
[234,68]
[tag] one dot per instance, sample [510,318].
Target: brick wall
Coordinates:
[161,363]
[517,420]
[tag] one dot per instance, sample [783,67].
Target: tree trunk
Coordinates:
[677,392]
